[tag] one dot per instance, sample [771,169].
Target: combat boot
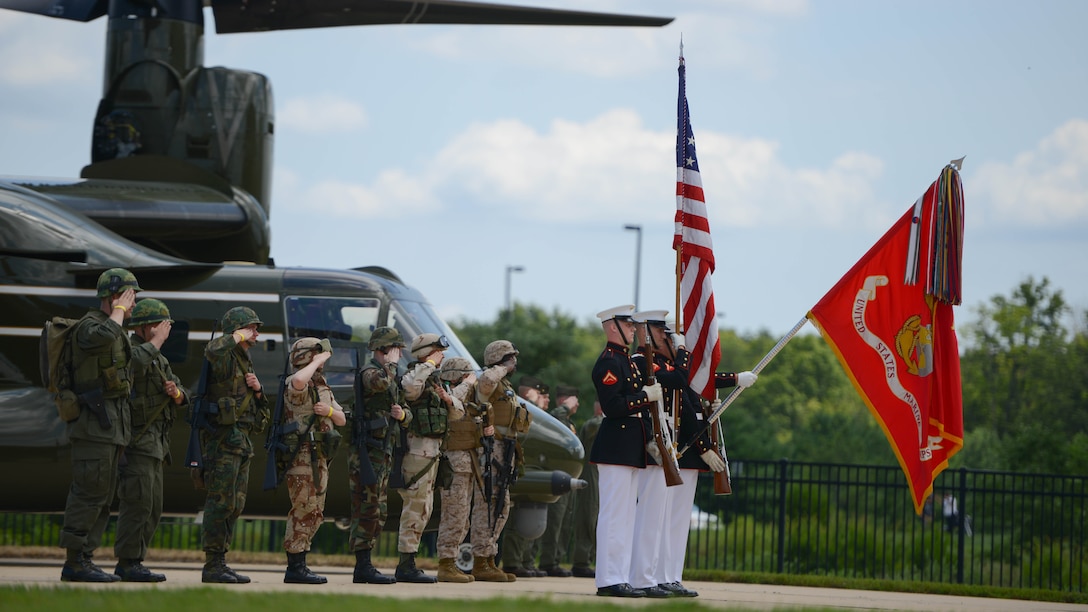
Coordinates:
[408,572]
[299,573]
[486,572]
[491,563]
[88,560]
[366,572]
[216,570]
[79,568]
[133,570]
[449,572]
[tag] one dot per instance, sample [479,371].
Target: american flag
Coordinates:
[695,251]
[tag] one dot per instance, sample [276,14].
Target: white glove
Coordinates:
[653,392]
[717,403]
[713,461]
[654,452]
[746,379]
[678,340]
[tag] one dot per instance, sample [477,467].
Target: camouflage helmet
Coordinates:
[497,351]
[239,317]
[384,337]
[454,368]
[424,344]
[116,280]
[304,349]
[148,311]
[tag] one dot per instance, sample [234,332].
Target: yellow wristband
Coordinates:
[177,393]
[431,361]
[119,306]
[238,337]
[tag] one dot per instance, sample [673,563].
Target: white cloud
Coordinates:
[321,114]
[613,165]
[27,63]
[1046,186]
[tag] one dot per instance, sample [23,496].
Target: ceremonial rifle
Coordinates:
[735,393]
[723,484]
[662,435]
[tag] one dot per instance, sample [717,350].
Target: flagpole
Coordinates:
[737,390]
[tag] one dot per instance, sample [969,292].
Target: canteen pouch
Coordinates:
[444,479]
[228,411]
[67,405]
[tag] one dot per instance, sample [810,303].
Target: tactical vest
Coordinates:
[430,415]
[237,402]
[377,405]
[508,416]
[325,438]
[465,433]
[149,398]
[108,372]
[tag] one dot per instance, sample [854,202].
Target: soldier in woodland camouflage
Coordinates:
[553,544]
[308,402]
[243,409]
[586,503]
[101,355]
[378,421]
[462,442]
[156,393]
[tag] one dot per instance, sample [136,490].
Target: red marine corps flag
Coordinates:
[895,336]
[694,256]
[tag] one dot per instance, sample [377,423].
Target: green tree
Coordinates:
[1024,383]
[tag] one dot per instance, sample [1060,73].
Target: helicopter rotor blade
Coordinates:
[233,16]
[76,10]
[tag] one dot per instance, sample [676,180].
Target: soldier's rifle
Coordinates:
[488,445]
[201,414]
[662,434]
[274,443]
[360,431]
[508,472]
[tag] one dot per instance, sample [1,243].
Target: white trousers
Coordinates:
[649,531]
[677,522]
[618,486]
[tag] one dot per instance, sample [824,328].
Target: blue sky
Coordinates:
[447,153]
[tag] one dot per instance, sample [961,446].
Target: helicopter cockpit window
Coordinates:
[414,318]
[346,322]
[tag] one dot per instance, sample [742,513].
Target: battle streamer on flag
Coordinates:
[694,255]
[889,321]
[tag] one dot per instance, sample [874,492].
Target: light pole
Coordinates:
[638,257]
[510,270]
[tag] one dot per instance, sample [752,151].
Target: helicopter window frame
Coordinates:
[346,322]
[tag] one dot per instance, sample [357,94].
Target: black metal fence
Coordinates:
[1008,529]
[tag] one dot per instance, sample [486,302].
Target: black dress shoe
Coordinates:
[583,572]
[557,571]
[656,592]
[620,590]
[520,572]
[678,590]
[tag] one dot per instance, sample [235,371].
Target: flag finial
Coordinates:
[958,163]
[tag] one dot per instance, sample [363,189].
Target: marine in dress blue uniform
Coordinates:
[619,451]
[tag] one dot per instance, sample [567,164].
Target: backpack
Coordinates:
[55,363]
